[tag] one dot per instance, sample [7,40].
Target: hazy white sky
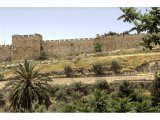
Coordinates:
[59,23]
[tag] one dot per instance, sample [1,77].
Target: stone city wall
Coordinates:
[31,46]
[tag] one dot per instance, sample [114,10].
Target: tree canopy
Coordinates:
[147,22]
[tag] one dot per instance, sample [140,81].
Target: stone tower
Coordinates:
[26,46]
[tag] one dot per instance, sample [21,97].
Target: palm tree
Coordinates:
[30,88]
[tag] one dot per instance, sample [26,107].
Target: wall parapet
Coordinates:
[68,40]
[5,46]
[30,36]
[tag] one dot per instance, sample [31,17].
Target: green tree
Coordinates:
[147,22]
[98,101]
[29,88]
[155,93]
[97,47]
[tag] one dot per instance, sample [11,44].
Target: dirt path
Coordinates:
[90,80]
[138,54]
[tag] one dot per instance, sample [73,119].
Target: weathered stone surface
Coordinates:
[30,46]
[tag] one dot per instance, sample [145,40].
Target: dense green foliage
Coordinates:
[111,33]
[1,76]
[68,71]
[101,85]
[43,56]
[98,97]
[97,47]
[98,68]
[28,89]
[2,101]
[147,22]
[115,67]
[155,93]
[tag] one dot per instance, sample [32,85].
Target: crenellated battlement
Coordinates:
[31,46]
[68,40]
[31,36]
[5,46]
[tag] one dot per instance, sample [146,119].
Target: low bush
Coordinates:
[61,95]
[2,101]
[55,88]
[101,85]
[125,89]
[98,101]
[98,68]
[42,56]
[77,95]
[78,87]
[155,91]
[122,105]
[97,47]
[115,67]
[1,76]
[68,71]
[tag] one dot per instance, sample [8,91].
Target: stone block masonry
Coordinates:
[31,46]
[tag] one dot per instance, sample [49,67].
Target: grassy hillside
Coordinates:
[128,62]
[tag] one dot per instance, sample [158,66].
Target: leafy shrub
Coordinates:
[55,88]
[143,106]
[78,87]
[60,95]
[83,106]
[68,71]
[98,68]
[122,105]
[155,109]
[1,76]
[155,92]
[43,56]
[111,33]
[80,70]
[77,95]
[68,108]
[115,67]
[38,108]
[2,101]
[98,101]
[125,90]
[97,47]
[101,85]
